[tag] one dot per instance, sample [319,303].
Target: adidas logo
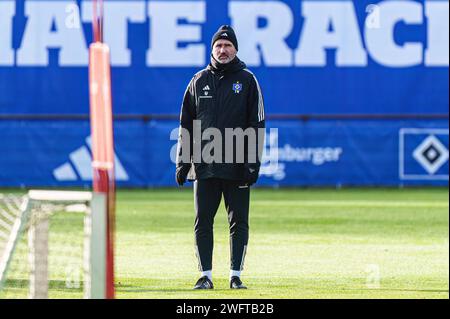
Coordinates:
[80,166]
[224,34]
[206,88]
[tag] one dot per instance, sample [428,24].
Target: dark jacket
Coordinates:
[222,96]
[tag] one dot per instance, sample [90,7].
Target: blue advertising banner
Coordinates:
[297,153]
[311,57]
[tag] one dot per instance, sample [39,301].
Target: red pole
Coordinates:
[102,133]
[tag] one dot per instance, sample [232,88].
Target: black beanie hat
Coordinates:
[227,33]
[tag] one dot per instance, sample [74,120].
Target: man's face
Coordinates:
[224,51]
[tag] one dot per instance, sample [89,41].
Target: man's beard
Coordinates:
[225,59]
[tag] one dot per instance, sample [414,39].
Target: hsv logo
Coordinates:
[423,154]
[79,166]
[237,87]
[431,154]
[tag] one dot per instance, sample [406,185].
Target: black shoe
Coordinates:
[236,283]
[204,283]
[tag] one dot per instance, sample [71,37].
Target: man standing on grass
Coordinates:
[225,96]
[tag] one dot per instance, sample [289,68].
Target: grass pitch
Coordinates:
[316,243]
[319,243]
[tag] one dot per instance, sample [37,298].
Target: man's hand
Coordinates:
[181,173]
[251,174]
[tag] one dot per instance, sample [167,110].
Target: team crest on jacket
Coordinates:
[237,87]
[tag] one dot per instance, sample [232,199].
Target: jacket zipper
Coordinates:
[215,100]
[216,104]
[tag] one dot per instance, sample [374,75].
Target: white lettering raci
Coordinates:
[176,39]
[316,36]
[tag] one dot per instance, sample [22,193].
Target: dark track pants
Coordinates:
[207,197]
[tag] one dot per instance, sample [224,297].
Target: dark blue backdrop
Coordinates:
[317,152]
[139,88]
[321,153]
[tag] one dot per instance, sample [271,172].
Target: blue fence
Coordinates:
[330,58]
[315,152]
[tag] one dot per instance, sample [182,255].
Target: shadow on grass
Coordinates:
[162,290]
[130,288]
